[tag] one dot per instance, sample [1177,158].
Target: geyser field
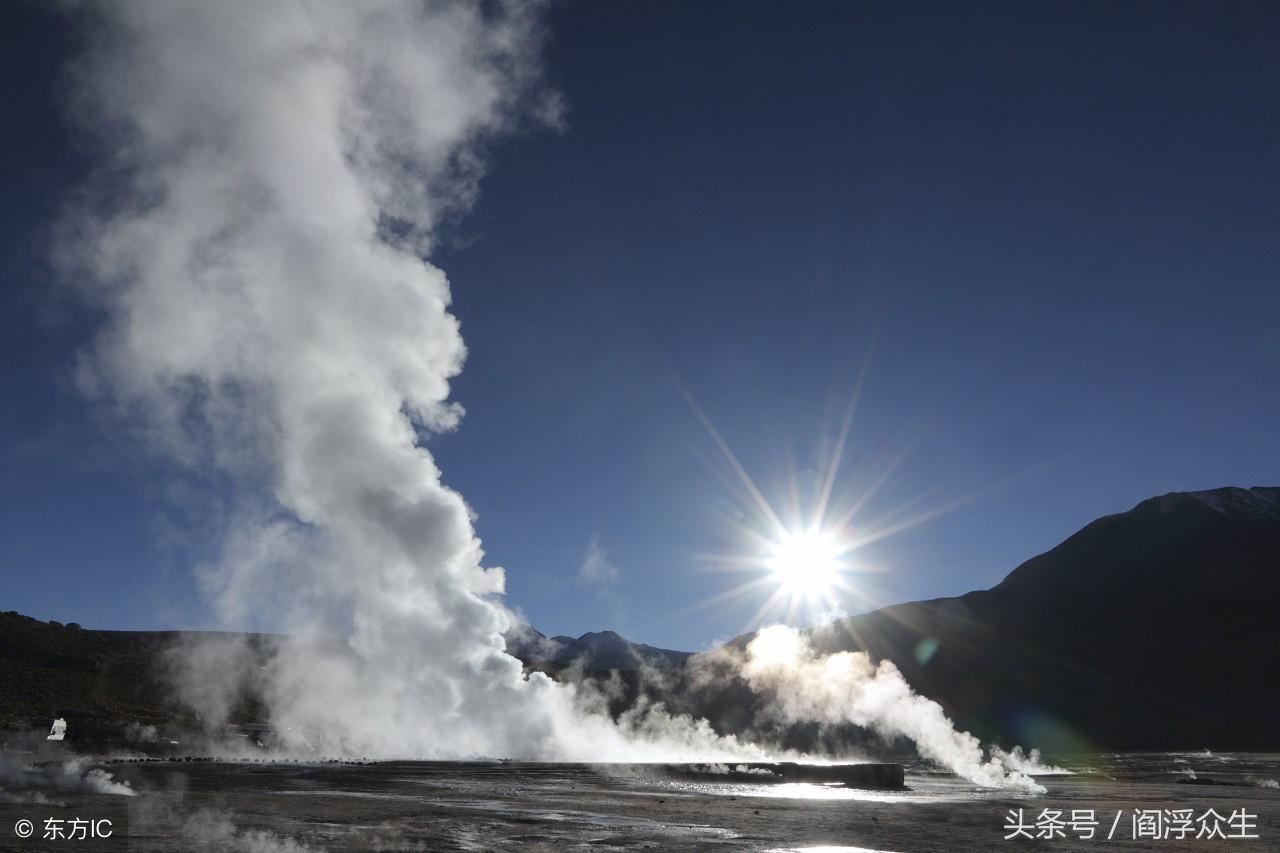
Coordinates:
[271,806]
[272,318]
[257,242]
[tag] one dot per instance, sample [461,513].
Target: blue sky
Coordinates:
[1051,227]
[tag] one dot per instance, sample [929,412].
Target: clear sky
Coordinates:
[1049,232]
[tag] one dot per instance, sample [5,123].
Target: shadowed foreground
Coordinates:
[518,806]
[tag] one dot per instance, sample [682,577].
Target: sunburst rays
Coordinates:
[800,556]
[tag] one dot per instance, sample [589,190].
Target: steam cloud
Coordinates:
[279,172]
[849,687]
[215,831]
[285,166]
[21,781]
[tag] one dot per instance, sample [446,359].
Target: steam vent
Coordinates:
[876,776]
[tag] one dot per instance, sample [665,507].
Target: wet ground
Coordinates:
[430,806]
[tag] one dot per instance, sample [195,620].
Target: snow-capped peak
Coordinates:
[1257,503]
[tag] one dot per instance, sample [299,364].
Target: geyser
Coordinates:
[276,175]
[280,170]
[850,687]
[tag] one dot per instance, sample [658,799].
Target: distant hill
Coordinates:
[1154,628]
[107,683]
[48,669]
[599,651]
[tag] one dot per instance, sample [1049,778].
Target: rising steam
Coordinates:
[277,174]
[847,687]
[22,781]
[281,169]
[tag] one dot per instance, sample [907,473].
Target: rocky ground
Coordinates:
[278,807]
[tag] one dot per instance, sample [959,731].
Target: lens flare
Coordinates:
[806,564]
[798,543]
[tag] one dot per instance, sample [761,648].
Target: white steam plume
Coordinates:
[847,687]
[1030,763]
[22,781]
[280,169]
[216,832]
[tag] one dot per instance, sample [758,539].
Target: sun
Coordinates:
[806,564]
[799,545]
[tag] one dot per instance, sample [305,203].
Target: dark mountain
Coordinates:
[1154,628]
[599,651]
[100,680]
